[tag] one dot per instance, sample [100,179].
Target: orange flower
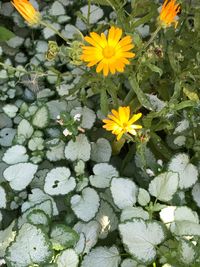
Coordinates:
[110,53]
[120,122]
[28,12]
[168,13]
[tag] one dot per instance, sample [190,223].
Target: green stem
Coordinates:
[88,14]
[46,24]
[152,37]
[113,7]
[154,34]
[127,158]
[129,97]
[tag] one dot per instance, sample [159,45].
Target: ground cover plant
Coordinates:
[99,133]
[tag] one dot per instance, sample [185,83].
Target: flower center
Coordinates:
[125,125]
[108,51]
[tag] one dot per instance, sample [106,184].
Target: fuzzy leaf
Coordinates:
[6,237]
[103,173]
[63,237]
[133,212]
[164,186]
[15,154]
[140,238]
[20,175]
[25,129]
[37,196]
[41,117]
[180,164]
[30,246]
[124,192]
[59,181]
[143,197]
[102,256]
[101,151]
[187,252]
[68,258]
[3,200]
[90,232]
[107,219]
[80,149]
[86,206]
[38,217]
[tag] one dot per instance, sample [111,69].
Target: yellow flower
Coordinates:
[168,13]
[28,12]
[119,122]
[110,53]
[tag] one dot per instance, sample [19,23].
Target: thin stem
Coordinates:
[46,24]
[129,97]
[154,34]
[152,37]
[88,14]
[113,7]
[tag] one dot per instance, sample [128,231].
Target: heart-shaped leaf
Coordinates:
[20,175]
[15,154]
[59,182]
[140,238]
[102,256]
[30,246]
[86,206]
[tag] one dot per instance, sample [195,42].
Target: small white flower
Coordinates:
[150,172]
[77,117]
[66,132]
[160,162]
[58,117]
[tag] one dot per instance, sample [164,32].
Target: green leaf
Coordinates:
[160,146]
[30,246]
[154,68]
[41,117]
[191,94]
[140,95]
[188,173]
[164,186]
[38,217]
[140,238]
[187,252]
[85,206]
[6,237]
[102,256]
[20,175]
[63,237]
[68,258]
[5,34]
